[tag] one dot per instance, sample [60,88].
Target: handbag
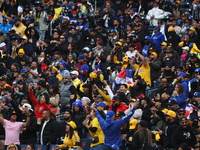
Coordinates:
[94,139]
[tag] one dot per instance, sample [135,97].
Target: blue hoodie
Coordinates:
[157,39]
[112,130]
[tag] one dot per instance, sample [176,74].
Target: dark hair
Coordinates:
[71,132]
[32,146]
[123,97]
[55,89]
[46,97]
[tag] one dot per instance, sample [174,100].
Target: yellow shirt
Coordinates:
[144,72]
[70,142]
[99,132]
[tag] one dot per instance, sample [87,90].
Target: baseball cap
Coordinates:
[120,113]
[118,43]
[48,69]
[86,50]
[113,31]
[27,106]
[42,75]
[28,19]
[13,113]
[196,94]
[170,113]
[79,103]
[86,99]
[100,96]
[155,54]
[81,57]
[163,44]
[42,83]
[115,98]
[147,38]
[102,104]
[172,102]
[66,17]
[182,74]
[156,28]
[74,72]
[170,29]
[197,70]
[12,31]
[133,123]
[186,48]
[109,115]
[192,29]
[181,110]
[23,70]
[5,97]
[2,78]
[72,124]
[2,44]
[21,51]
[57,52]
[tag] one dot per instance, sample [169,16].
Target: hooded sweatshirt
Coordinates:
[112,130]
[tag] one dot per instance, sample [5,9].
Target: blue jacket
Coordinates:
[157,39]
[5,27]
[145,50]
[185,87]
[112,130]
[180,99]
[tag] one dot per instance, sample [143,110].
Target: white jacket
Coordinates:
[158,15]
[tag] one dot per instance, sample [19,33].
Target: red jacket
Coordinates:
[39,108]
[122,107]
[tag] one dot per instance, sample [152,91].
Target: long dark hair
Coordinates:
[70,133]
[55,90]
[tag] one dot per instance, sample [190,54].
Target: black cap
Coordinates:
[120,114]
[12,31]
[57,52]
[143,123]
[100,96]
[2,78]
[170,52]
[47,41]
[42,75]
[172,102]
[48,69]
[42,83]
[85,86]
[193,55]
[118,64]
[13,113]
[93,30]
[145,98]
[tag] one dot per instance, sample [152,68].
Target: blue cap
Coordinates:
[80,17]
[196,94]
[5,97]
[197,70]
[109,115]
[134,35]
[81,57]
[156,28]
[182,74]
[134,9]
[101,104]
[79,103]
[63,63]
[147,38]
[28,19]
[23,70]
[113,31]
[120,17]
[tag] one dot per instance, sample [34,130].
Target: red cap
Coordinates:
[100,39]
[74,12]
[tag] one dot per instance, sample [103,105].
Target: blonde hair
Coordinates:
[12,144]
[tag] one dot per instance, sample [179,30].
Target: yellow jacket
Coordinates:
[70,142]
[20,30]
[107,98]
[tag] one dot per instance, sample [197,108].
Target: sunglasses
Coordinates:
[62,38]
[184,122]
[181,114]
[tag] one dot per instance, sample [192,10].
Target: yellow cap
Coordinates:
[155,54]
[178,2]
[171,113]
[125,58]
[181,44]
[93,75]
[133,123]
[21,51]
[192,29]
[164,43]
[54,68]
[170,29]
[118,43]
[72,124]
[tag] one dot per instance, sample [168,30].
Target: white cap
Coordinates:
[66,17]
[86,99]
[27,106]
[74,72]
[186,48]
[2,44]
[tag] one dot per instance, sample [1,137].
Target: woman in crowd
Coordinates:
[54,98]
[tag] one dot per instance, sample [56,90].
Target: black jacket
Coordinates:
[50,132]
[169,131]
[182,135]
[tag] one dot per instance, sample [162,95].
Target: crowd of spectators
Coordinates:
[124,76]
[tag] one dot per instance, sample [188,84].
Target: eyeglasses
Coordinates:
[65,78]
[181,114]
[62,38]
[184,122]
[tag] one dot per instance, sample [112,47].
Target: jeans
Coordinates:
[97,147]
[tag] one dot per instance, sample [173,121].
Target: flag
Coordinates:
[125,76]
[97,67]
[188,110]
